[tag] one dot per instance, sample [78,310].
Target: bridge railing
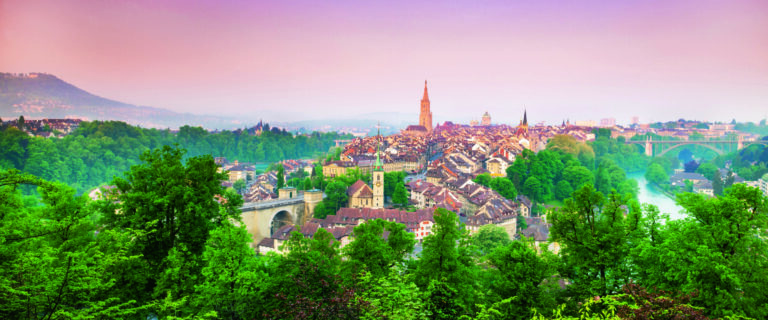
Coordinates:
[270,203]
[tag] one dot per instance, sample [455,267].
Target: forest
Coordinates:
[167,242]
[551,175]
[97,151]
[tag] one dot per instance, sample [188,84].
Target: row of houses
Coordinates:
[341,225]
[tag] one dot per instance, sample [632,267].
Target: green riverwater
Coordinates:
[647,194]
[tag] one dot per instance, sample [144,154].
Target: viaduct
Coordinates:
[292,207]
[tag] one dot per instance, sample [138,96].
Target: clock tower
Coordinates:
[378,179]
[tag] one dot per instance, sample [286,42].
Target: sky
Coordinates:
[301,60]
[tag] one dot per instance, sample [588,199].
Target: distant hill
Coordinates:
[40,95]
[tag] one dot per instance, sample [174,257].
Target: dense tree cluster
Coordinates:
[97,150]
[553,174]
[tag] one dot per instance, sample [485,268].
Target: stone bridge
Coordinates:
[292,207]
[709,144]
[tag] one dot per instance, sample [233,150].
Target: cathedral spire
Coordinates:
[425,116]
[525,117]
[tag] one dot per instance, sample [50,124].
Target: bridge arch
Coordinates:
[760,142]
[716,150]
[280,219]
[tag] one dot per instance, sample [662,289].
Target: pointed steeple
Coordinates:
[525,117]
[377,166]
[426,96]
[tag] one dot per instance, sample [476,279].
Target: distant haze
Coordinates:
[301,60]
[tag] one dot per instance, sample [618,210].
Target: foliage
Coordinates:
[707,170]
[97,151]
[637,303]
[336,198]
[554,173]
[656,174]
[239,186]
[391,180]
[518,272]
[489,237]
[504,187]
[691,166]
[308,285]
[393,297]
[370,251]
[51,263]
[280,177]
[230,274]
[173,206]
[400,196]
[445,269]
[717,184]
[483,179]
[593,233]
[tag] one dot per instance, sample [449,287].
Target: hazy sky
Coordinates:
[657,59]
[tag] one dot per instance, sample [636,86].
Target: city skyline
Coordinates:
[300,60]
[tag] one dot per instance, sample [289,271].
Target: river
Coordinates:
[647,194]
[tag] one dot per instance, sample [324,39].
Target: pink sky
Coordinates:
[660,60]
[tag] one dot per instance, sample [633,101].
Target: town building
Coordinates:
[486,121]
[763,184]
[360,195]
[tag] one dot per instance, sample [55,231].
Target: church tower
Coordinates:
[425,116]
[378,179]
[524,122]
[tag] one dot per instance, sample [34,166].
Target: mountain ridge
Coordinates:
[42,95]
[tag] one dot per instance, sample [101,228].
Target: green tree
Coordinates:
[707,170]
[563,190]
[593,233]
[688,186]
[717,184]
[400,196]
[393,297]
[443,300]
[603,181]
[490,237]
[230,275]
[446,269]
[533,189]
[369,250]
[656,174]
[518,273]
[174,207]
[336,198]
[577,176]
[307,184]
[729,179]
[718,252]
[306,283]
[280,176]
[51,265]
[391,180]
[483,179]
[504,187]
[522,224]
[239,185]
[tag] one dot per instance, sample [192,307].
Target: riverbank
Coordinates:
[656,187]
[648,193]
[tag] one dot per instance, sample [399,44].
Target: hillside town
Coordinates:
[441,164]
